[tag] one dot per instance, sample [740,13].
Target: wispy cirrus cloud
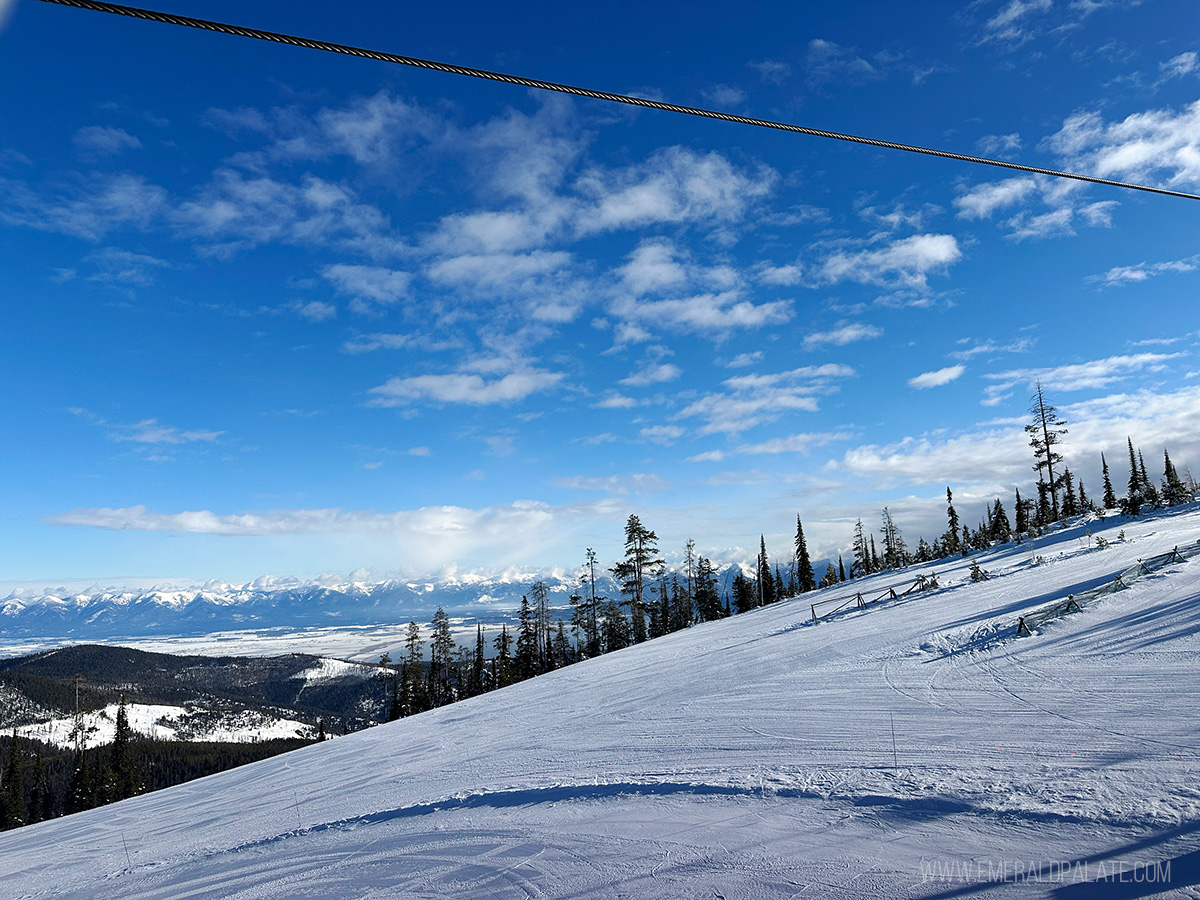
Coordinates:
[1122,275]
[750,400]
[842,335]
[463,388]
[1093,374]
[146,431]
[936,378]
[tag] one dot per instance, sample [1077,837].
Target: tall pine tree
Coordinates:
[806,579]
[1045,433]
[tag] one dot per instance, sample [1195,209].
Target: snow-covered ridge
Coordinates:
[167,723]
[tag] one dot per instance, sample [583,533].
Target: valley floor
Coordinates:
[916,748]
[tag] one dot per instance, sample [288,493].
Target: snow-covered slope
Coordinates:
[879,753]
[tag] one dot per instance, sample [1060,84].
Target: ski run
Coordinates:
[914,747]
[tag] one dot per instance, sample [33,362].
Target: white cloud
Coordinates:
[147,431]
[421,539]
[1121,275]
[123,267]
[990,347]
[752,400]
[1009,22]
[369,286]
[89,209]
[842,335]
[1178,66]
[674,185]
[745,359]
[795,443]
[1098,373]
[828,63]
[771,71]
[994,459]
[463,388]
[1001,146]
[614,485]
[906,262]
[102,140]
[653,373]
[662,434]
[724,95]
[653,266]
[936,378]
[1064,209]
[316,311]
[236,212]
[616,401]
[1160,146]
[981,201]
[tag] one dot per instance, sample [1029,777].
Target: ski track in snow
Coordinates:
[750,758]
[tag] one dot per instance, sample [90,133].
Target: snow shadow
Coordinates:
[535,796]
[1125,872]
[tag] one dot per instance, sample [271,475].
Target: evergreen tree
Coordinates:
[1021,513]
[1045,515]
[875,565]
[806,579]
[1173,490]
[708,599]
[745,596]
[123,781]
[895,552]
[1001,528]
[689,556]
[615,630]
[1045,433]
[1085,504]
[441,648]
[766,582]
[414,664]
[950,538]
[862,552]
[541,623]
[478,663]
[561,646]
[593,632]
[829,578]
[1070,503]
[39,797]
[1134,497]
[640,565]
[1110,498]
[527,661]
[841,569]
[681,603]
[502,664]
[12,789]
[1149,491]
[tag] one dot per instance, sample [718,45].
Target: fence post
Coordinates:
[814,613]
[1021,626]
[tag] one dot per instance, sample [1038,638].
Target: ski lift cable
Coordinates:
[347,50]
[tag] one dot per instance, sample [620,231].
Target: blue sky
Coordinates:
[269,310]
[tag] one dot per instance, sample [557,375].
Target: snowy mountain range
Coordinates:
[98,613]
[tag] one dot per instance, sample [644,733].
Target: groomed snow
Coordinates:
[915,748]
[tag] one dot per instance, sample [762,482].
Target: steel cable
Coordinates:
[275,37]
